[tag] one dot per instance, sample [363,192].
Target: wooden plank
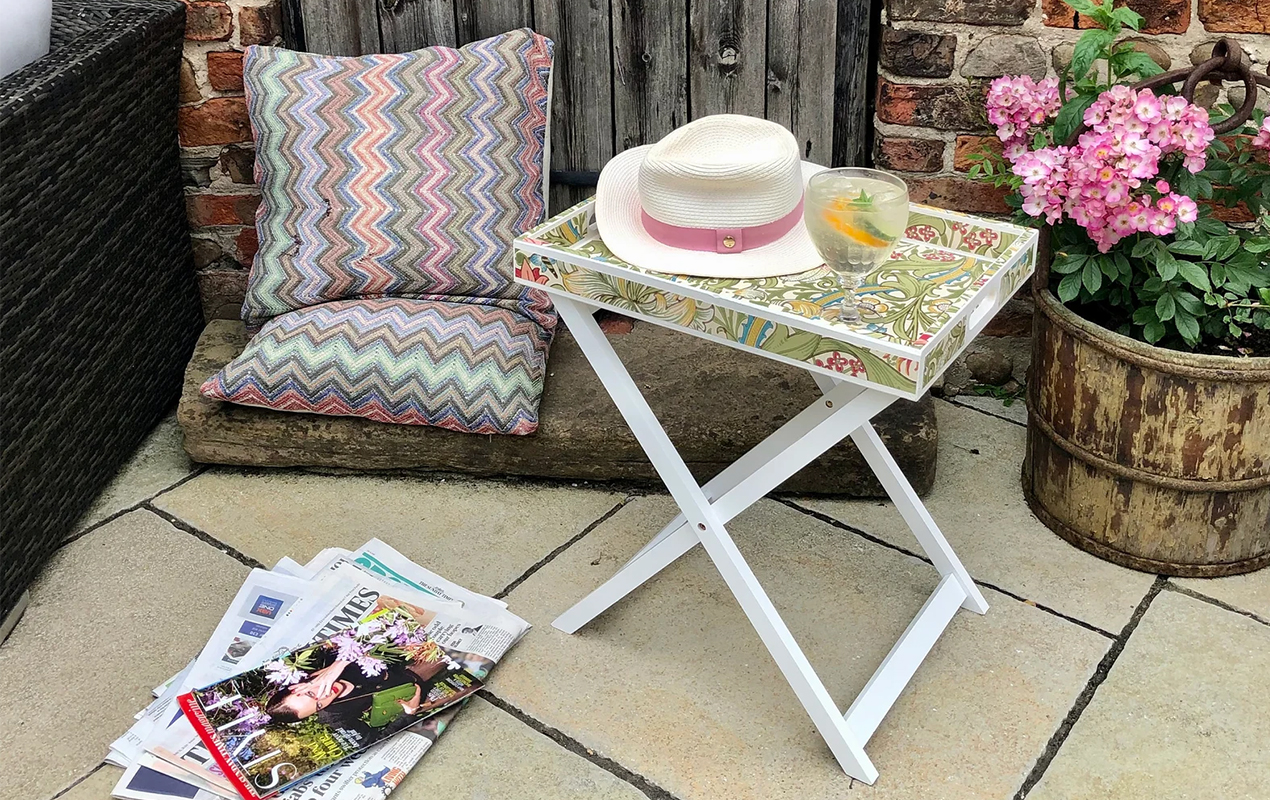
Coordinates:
[852,84]
[801,38]
[727,55]
[481,19]
[582,97]
[650,70]
[340,27]
[292,25]
[406,25]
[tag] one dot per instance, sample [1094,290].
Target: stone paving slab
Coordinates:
[114,614]
[715,403]
[978,504]
[1182,714]
[674,684]
[159,462]
[1249,592]
[490,755]
[485,755]
[482,534]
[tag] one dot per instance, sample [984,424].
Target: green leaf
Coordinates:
[1127,16]
[1241,277]
[1166,265]
[1070,116]
[1189,303]
[1221,248]
[1145,247]
[1089,49]
[1210,226]
[1067,264]
[1139,64]
[1069,287]
[1153,332]
[1122,262]
[1188,327]
[1186,184]
[1144,314]
[1187,248]
[1165,307]
[1083,6]
[1092,276]
[1195,275]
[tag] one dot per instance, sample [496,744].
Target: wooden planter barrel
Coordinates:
[1149,458]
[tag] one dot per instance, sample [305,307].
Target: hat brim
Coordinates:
[617,215]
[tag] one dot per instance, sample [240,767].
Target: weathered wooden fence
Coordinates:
[629,71]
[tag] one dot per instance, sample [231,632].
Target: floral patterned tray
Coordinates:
[946,279]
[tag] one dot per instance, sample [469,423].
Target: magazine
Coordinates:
[272,726]
[336,589]
[348,596]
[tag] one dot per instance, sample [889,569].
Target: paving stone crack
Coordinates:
[953,401]
[78,781]
[134,507]
[1203,598]
[547,559]
[1087,694]
[205,537]
[837,523]
[650,789]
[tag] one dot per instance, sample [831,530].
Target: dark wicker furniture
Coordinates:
[98,307]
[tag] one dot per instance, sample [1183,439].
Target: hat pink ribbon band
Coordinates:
[722,240]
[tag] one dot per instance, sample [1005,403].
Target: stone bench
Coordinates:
[582,436]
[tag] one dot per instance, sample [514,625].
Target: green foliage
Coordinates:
[1208,281]
[1006,396]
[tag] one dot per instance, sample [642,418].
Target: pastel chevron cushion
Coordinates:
[463,366]
[402,175]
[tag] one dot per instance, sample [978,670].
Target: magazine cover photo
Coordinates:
[274,725]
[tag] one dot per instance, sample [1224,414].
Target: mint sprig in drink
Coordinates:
[854,217]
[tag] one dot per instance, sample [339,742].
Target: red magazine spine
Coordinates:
[207,733]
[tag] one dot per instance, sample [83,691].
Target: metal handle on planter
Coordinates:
[1228,63]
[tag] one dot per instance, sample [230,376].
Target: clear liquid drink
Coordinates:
[855,216]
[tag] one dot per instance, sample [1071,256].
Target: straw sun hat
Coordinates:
[720,197]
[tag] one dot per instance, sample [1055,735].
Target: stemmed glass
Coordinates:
[854,217]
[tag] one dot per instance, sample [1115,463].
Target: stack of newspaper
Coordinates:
[279,610]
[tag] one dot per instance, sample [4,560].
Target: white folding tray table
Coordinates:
[946,279]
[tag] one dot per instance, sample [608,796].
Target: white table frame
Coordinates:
[845,409]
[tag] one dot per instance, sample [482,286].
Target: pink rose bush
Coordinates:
[1107,182]
[1019,106]
[1130,203]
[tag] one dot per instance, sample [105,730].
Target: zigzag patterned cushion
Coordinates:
[463,366]
[396,175]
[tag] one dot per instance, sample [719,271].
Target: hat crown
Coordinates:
[722,171]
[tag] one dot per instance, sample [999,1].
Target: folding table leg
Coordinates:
[911,508]
[697,509]
[799,441]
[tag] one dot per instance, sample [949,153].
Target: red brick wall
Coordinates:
[216,150]
[936,57]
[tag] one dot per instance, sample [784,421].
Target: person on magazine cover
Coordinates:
[343,696]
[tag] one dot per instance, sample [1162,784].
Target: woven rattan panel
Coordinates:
[98,307]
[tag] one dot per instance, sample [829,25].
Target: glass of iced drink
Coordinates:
[854,216]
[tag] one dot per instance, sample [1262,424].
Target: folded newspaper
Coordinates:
[291,628]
